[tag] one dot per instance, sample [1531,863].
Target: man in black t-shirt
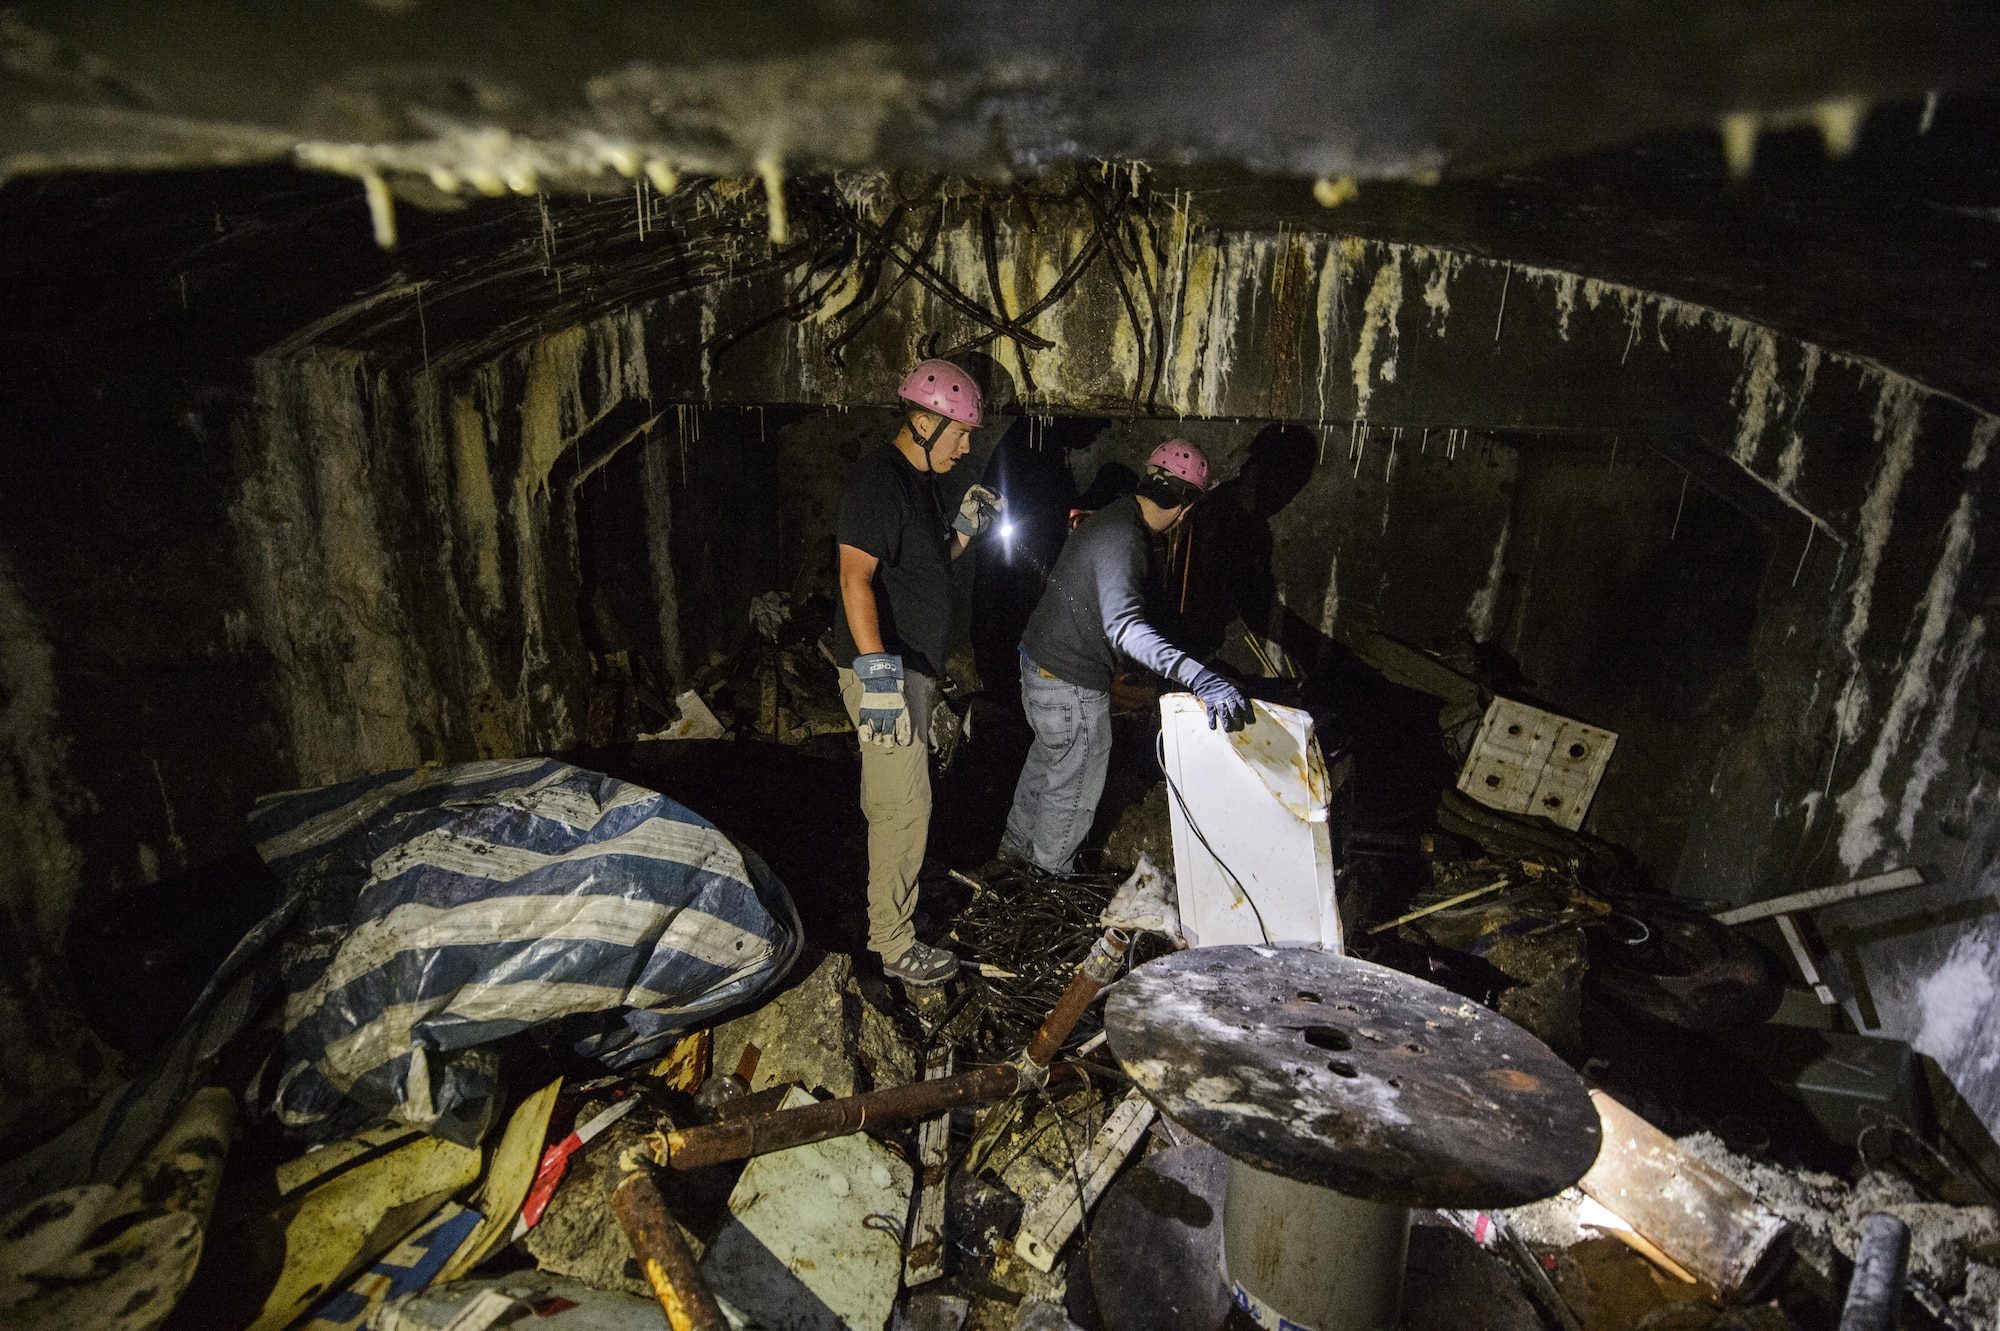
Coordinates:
[894,624]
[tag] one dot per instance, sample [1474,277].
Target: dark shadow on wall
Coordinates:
[1217,567]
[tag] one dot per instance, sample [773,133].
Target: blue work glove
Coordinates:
[1223,701]
[977,511]
[885,719]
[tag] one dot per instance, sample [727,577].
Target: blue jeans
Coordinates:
[1056,797]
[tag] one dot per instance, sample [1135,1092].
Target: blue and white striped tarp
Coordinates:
[426,913]
[443,909]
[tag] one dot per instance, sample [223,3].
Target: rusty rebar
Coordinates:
[780,1129]
[662,1250]
[777,1130]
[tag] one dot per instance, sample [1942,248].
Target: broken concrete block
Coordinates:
[931,1312]
[1036,1315]
[824,1033]
[815,1239]
[1979,1305]
[578,1235]
[1944,1239]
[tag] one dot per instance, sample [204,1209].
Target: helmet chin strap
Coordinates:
[944,423]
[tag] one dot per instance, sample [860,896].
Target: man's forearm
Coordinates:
[857,599]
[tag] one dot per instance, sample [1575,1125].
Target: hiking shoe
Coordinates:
[921,963]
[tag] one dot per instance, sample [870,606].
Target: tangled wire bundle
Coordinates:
[836,238]
[1037,929]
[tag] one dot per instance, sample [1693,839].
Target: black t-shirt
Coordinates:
[892,511]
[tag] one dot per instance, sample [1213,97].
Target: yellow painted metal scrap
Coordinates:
[355,1205]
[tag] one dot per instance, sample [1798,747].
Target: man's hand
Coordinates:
[1223,701]
[977,511]
[885,718]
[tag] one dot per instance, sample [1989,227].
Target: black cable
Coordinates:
[1160,756]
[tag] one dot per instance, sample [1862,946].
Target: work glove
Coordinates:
[1223,701]
[885,719]
[977,511]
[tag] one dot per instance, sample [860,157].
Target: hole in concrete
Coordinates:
[1514,729]
[1327,1037]
[1308,996]
[1340,1067]
[1416,1048]
[1552,802]
[1576,750]
[1492,779]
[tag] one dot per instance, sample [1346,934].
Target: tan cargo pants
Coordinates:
[896,800]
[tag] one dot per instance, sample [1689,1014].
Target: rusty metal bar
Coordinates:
[778,1130]
[1682,1205]
[1098,969]
[739,1138]
[660,1247]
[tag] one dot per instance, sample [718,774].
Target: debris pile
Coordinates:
[780,685]
[523,1041]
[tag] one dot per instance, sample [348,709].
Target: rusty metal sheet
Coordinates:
[1684,1206]
[1341,1073]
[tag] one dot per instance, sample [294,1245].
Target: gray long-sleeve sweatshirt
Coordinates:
[1093,609]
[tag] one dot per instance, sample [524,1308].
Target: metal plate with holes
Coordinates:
[1352,1076]
[1526,760]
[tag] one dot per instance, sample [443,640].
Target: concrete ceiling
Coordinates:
[499,94]
[1576,136]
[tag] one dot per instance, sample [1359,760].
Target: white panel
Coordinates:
[1258,801]
[1530,761]
[803,1250]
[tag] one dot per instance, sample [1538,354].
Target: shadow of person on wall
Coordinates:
[1217,572]
[1218,563]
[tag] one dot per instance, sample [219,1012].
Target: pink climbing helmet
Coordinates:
[1178,457]
[939,386]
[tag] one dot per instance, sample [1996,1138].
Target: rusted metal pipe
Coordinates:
[1682,1205]
[780,1129]
[739,1138]
[1098,969]
[659,1245]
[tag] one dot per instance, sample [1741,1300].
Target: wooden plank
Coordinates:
[923,1255]
[1055,1215]
[1818,898]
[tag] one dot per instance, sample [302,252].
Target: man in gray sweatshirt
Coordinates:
[1091,614]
